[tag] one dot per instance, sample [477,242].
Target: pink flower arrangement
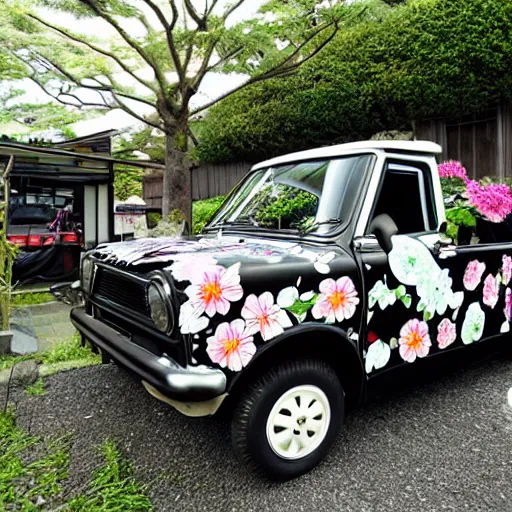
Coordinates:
[262,315]
[491,291]
[452,169]
[506,271]
[414,340]
[213,289]
[446,333]
[508,304]
[231,346]
[473,274]
[493,201]
[337,300]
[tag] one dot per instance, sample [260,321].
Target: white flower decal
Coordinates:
[473,326]
[377,356]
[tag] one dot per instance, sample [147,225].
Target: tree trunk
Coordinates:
[177,183]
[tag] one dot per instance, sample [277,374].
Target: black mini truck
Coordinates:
[322,271]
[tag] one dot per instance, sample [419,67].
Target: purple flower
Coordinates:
[452,169]
[508,304]
[493,201]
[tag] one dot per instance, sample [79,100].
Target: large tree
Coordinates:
[163,64]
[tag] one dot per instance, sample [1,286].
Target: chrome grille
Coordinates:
[121,290]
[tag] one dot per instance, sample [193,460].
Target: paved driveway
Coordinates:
[439,446]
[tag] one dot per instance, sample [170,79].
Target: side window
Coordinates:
[406,196]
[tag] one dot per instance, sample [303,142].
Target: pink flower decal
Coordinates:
[506,272]
[231,346]
[262,315]
[214,289]
[185,267]
[414,340]
[491,291]
[337,300]
[508,304]
[473,274]
[446,333]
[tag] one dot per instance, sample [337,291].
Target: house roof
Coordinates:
[400,146]
[51,156]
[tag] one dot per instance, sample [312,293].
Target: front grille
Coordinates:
[121,290]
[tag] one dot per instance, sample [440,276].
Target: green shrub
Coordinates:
[202,212]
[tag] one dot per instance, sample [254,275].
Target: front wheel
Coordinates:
[287,421]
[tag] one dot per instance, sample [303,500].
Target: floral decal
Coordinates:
[380,294]
[508,304]
[506,272]
[446,333]
[491,289]
[337,300]
[473,325]
[211,292]
[377,356]
[409,260]
[231,346]
[297,304]
[473,274]
[414,340]
[265,317]
[186,266]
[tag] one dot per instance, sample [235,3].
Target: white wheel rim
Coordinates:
[298,422]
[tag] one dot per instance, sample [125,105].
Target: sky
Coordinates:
[214,84]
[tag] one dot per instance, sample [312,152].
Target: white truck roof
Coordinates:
[417,146]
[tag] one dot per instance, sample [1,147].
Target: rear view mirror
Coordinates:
[384,227]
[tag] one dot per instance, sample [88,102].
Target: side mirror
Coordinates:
[384,227]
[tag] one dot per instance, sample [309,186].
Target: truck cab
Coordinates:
[323,272]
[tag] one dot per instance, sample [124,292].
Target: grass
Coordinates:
[27,485]
[36,389]
[64,352]
[30,299]
[112,487]
[37,484]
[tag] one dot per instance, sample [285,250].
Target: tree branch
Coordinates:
[231,9]
[127,109]
[199,20]
[278,70]
[159,76]
[95,48]
[168,27]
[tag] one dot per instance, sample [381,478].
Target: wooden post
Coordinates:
[6,253]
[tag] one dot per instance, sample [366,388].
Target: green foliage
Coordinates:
[127,182]
[202,212]
[153,219]
[461,216]
[405,63]
[112,486]
[36,389]
[67,351]
[22,484]
[289,210]
[30,299]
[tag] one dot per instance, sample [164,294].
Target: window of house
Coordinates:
[406,195]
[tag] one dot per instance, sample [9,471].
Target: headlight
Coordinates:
[158,307]
[86,276]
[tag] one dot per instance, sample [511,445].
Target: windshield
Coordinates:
[296,196]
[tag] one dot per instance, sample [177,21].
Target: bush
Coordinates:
[202,212]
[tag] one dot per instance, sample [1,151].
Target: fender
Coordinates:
[319,340]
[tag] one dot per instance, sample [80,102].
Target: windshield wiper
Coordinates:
[235,224]
[305,230]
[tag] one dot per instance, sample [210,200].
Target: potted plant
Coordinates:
[475,210]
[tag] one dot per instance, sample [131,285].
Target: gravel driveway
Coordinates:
[439,446]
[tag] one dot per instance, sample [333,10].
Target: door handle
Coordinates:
[447,253]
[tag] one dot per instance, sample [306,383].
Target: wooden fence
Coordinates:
[208,180]
[482,142]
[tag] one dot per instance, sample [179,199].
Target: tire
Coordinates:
[272,399]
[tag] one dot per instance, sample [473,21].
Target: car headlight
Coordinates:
[86,275]
[158,307]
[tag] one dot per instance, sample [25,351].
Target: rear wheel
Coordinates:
[287,421]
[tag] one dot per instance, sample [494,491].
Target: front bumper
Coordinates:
[190,384]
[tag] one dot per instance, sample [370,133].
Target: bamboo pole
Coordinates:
[7,253]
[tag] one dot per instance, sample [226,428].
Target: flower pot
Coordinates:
[5,342]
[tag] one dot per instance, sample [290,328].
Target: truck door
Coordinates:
[425,298]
